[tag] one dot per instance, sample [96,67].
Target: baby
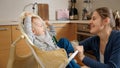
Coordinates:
[36,30]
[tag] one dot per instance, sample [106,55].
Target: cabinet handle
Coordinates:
[17,28]
[88,26]
[59,27]
[3,29]
[84,28]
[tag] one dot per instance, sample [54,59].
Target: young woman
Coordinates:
[105,44]
[36,30]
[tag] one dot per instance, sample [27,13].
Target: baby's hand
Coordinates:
[47,23]
[28,14]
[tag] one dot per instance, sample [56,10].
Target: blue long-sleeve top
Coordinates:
[111,54]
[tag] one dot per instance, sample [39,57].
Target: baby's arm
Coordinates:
[51,28]
[28,26]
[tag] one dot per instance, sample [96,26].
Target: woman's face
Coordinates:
[96,23]
[38,28]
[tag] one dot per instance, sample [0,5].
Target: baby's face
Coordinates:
[37,27]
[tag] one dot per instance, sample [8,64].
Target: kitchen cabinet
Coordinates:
[8,33]
[21,47]
[5,37]
[83,31]
[5,41]
[66,30]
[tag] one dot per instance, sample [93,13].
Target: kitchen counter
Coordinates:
[9,22]
[52,21]
[69,21]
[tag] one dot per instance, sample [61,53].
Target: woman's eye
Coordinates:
[93,18]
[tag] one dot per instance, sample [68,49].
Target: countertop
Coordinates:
[9,22]
[51,21]
[69,21]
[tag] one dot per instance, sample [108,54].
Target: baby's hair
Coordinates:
[22,18]
[38,17]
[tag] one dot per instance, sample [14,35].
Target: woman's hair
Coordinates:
[105,12]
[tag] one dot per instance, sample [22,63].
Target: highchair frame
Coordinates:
[39,63]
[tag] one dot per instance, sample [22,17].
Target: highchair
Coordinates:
[37,58]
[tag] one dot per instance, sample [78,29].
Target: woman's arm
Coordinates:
[112,55]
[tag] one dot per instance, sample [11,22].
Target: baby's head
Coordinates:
[38,25]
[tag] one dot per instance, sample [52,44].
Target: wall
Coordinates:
[11,9]
[113,4]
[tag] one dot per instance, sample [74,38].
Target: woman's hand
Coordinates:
[80,52]
[85,67]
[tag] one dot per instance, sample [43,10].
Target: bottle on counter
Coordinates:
[73,12]
[117,20]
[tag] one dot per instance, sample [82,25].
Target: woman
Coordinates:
[105,44]
[36,30]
